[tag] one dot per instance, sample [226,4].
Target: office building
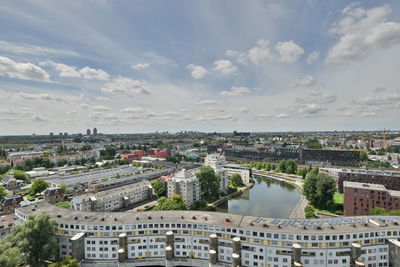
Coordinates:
[88,132]
[185,184]
[94,131]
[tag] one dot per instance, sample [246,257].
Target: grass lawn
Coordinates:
[64,204]
[338,198]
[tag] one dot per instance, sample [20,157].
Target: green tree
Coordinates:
[377,211]
[20,175]
[319,190]
[363,156]
[313,144]
[66,262]
[36,239]
[38,186]
[310,212]
[302,173]
[291,166]
[10,256]
[174,203]
[236,180]
[283,166]
[3,192]
[159,188]
[209,181]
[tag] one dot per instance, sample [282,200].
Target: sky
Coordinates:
[143,66]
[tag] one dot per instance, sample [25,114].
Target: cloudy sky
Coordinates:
[141,66]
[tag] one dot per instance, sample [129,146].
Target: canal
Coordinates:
[267,198]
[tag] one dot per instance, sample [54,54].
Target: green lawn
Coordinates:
[64,204]
[338,198]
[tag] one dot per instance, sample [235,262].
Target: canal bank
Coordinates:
[267,198]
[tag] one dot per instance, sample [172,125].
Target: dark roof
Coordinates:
[8,200]
[53,191]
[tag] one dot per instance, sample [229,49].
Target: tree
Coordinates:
[66,262]
[319,190]
[236,180]
[3,192]
[302,173]
[313,144]
[377,211]
[363,156]
[174,203]
[159,188]
[209,181]
[38,186]
[291,166]
[10,256]
[20,175]
[310,212]
[36,239]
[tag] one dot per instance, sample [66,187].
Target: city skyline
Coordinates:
[206,66]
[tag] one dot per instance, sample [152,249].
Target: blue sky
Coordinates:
[142,66]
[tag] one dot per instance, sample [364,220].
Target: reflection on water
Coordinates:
[267,198]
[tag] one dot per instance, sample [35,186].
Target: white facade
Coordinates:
[243,171]
[113,199]
[185,184]
[216,161]
[264,242]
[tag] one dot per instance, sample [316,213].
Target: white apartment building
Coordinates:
[185,184]
[243,171]
[113,199]
[216,161]
[197,238]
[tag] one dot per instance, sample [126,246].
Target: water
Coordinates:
[267,198]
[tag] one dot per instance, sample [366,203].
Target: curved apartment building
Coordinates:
[197,238]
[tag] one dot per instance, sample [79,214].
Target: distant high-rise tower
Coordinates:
[51,134]
[88,132]
[94,131]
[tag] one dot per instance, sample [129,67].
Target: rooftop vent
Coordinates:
[137,218]
[227,219]
[76,218]
[58,215]
[194,217]
[149,217]
[33,209]
[305,227]
[161,217]
[332,227]
[182,217]
[115,219]
[206,218]
[252,224]
[319,228]
[265,225]
[102,219]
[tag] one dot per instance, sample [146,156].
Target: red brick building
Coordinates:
[360,198]
[134,155]
[158,153]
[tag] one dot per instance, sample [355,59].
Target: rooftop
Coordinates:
[331,225]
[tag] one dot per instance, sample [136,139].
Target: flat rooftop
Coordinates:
[315,226]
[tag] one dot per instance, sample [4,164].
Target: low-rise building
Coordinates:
[185,184]
[6,223]
[9,203]
[360,198]
[134,155]
[113,199]
[216,161]
[54,195]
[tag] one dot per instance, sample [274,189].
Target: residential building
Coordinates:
[360,198]
[185,184]
[216,161]
[158,153]
[198,238]
[54,195]
[134,155]
[243,171]
[390,179]
[94,131]
[6,223]
[9,203]
[113,199]
[88,132]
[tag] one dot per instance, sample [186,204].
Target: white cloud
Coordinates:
[24,71]
[241,57]
[244,110]
[140,66]
[215,117]
[94,74]
[312,108]
[64,70]
[305,81]
[261,53]
[19,48]
[132,110]
[94,108]
[41,96]
[289,51]
[224,67]
[264,116]
[123,85]
[236,91]
[281,116]
[39,118]
[361,30]
[380,99]
[209,102]
[197,72]
[313,57]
